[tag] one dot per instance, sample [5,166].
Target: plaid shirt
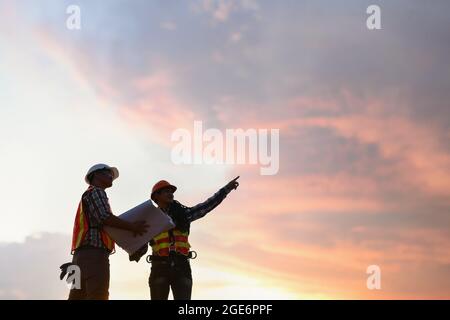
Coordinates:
[96,207]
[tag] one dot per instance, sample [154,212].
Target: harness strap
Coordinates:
[152,258]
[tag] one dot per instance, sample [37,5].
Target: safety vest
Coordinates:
[81,227]
[172,240]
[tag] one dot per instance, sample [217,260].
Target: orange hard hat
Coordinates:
[162,185]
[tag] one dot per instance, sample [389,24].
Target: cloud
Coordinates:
[220,10]
[338,268]
[157,108]
[236,37]
[419,158]
[30,270]
[363,117]
[169,25]
[354,135]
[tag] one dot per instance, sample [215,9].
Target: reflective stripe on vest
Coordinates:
[162,246]
[80,230]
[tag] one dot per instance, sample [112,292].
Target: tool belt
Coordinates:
[172,256]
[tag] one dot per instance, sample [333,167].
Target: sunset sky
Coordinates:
[364,120]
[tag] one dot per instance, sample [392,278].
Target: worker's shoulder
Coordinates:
[94,191]
[177,205]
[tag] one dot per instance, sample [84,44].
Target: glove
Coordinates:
[138,254]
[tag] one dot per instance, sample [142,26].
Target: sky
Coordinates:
[363,117]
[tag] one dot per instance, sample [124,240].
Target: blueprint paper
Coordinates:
[157,221]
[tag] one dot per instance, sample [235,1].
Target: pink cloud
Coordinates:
[338,270]
[155,108]
[411,145]
[158,110]
[248,246]
[420,159]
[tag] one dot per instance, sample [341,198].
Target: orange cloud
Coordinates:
[413,147]
[420,159]
[157,109]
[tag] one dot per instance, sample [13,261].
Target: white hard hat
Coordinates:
[101,166]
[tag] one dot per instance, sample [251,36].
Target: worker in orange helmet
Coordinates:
[171,249]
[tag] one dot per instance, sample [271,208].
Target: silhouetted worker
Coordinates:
[91,245]
[170,256]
